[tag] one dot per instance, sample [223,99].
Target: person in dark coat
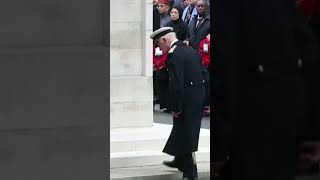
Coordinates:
[156,25]
[162,78]
[156,16]
[199,26]
[186,91]
[179,27]
[258,89]
[310,155]
[189,11]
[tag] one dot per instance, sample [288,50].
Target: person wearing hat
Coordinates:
[163,7]
[187,77]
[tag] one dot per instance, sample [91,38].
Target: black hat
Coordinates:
[156,35]
[161,32]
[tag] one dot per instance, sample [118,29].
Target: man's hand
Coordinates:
[186,43]
[176,114]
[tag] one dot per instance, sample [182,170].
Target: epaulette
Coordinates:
[172,49]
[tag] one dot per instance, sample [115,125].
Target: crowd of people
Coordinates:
[190,20]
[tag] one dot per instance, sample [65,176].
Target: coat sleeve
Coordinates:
[223,78]
[176,82]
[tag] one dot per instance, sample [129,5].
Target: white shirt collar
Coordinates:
[173,42]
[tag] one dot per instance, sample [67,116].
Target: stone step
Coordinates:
[149,138]
[158,172]
[149,158]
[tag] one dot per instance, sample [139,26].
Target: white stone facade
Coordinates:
[131,88]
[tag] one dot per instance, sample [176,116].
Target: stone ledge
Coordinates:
[149,158]
[131,114]
[131,89]
[156,173]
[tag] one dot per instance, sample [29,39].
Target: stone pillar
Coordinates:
[131,89]
[53,99]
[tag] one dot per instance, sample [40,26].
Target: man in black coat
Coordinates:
[199,26]
[311,148]
[258,89]
[186,92]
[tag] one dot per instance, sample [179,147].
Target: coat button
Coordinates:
[300,63]
[260,68]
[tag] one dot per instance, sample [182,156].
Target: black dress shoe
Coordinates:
[173,164]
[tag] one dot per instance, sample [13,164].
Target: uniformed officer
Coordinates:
[186,100]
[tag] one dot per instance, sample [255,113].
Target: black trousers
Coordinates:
[155,86]
[163,84]
[188,165]
[207,87]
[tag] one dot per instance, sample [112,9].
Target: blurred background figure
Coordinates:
[310,156]
[199,27]
[179,26]
[261,50]
[204,50]
[164,7]
[156,15]
[190,11]
[162,78]
[156,58]
[184,4]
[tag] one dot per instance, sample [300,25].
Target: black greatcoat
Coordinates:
[186,92]
[258,88]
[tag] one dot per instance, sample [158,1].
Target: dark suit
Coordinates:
[258,88]
[196,34]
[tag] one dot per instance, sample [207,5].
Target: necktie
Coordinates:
[199,22]
[188,15]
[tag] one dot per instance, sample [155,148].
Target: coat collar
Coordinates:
[174,42]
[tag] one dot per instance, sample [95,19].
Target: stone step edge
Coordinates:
[203,173]
[149,153]
[150,159]
[155,144]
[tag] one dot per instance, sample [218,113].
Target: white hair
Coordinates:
[170,36]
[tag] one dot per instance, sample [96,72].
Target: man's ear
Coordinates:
[164,39]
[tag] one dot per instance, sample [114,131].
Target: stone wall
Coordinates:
[53,95]
[131,63]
